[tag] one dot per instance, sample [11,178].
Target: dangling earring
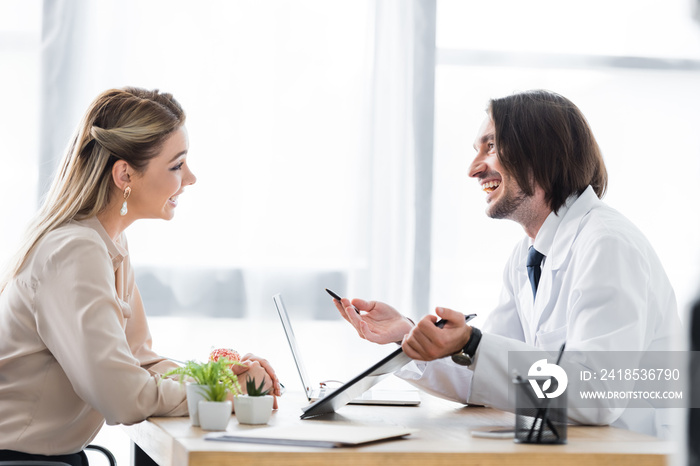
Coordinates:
[124,209]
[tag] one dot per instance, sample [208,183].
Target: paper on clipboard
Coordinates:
[309,435]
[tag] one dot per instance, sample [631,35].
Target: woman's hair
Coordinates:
[544,138]
[129,124]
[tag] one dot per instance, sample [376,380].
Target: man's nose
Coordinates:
[477,166]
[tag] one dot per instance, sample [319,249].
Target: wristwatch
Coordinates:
[465,356]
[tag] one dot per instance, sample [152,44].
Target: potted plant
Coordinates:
[256,406]
[210,382]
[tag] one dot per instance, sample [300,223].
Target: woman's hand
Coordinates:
[258,368]
[376,322]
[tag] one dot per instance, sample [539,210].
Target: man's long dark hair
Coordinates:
[544,138]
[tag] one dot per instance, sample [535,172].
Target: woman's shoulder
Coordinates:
[70,244]
[70,238]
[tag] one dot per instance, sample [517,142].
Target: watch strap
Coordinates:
[473,343]
[465,356]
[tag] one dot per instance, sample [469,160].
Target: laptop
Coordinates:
[357,390]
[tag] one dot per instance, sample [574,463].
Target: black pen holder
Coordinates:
[539,420]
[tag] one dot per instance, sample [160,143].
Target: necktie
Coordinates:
[534,259]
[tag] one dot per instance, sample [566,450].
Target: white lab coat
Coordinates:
[602,288]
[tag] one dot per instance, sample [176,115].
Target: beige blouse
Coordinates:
[75,349]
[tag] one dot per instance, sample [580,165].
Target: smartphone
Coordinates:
[495,433]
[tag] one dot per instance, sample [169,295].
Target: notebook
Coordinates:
[360,384]
[323,435]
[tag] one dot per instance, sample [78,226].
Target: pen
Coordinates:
[441,323]
[545,414]
[338,298]
[561,352]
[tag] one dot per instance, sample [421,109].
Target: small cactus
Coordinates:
[256,391]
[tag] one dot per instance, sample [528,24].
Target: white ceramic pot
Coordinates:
[195,393]
[214,415]
[253,409]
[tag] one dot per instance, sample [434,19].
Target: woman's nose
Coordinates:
[191,179]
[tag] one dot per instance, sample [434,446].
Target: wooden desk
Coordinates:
[444,439]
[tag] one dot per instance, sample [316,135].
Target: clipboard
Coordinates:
[357,385]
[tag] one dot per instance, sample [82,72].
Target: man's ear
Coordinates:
[121,174]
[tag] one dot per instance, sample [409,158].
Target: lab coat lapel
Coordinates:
[561,249]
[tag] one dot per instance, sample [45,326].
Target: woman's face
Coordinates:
[154,192]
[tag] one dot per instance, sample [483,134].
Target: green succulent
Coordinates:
[216,376]
[256,390]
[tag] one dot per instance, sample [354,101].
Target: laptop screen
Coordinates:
[284,317]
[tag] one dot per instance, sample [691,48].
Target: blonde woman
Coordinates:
[75,348]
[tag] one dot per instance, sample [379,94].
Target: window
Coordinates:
[632,67]
[20,55]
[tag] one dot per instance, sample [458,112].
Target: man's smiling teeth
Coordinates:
[490,186]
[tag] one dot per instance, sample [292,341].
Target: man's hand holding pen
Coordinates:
[428,340]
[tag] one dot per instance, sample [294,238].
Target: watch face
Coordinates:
[462,359]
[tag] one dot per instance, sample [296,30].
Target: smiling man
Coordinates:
[582,275]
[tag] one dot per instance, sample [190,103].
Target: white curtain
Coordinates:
[402,152]
[64,31]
